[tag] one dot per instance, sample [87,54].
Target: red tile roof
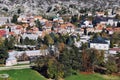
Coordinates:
[2,32]
[115,49]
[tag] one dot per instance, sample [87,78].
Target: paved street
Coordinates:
[15,67]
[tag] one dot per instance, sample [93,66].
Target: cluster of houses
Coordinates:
[97,25]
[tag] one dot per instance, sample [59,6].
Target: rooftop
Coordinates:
[99,40]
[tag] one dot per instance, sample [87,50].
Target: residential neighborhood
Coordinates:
[61,46]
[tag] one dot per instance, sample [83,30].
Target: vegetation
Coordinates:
[92,77]
[14,19]
[3,52]
[23,74]
[38,24]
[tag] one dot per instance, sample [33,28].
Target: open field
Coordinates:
[92,77]
[29,74]
[23,74]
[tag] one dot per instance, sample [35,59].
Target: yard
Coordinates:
[29,74]
[23,74]
[92,77]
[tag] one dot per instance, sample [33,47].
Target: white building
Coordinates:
[30,36]
[87,24]
[100,43]
[12,59]
[83,39]
[3,20]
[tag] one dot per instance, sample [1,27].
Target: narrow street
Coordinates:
[15,67]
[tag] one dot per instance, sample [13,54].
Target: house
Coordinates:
[11,60]
[66,28]
[99,43]
[110,30]
[99,28]
[79,31]
[114,50]
[2,32]
[58,19]
[4,20]
[86,23]
[83,39]
[100,13]
[106,20]
[13,55]
[30,36]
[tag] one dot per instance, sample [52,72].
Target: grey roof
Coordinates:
[99,40]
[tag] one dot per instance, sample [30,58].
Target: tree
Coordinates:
[19,11]
[26,41]
[43,49]
[118,24]
[71,59]
[61,47]
[85,31]
[38,24]
[39,41]
[1,42]
[91,58]
[9,43]
[96,35]
[111,65]
[50,67]
[21,40]
[23,57]
[3,52]
[117,16]
[54,69]
[74,18]
[48,40]
[111,43]
[84,46]
[118,61]
[14,19]
[70,41]
[3,55]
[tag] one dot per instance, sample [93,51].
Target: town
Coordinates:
[61,45]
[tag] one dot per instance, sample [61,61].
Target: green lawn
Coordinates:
[29,74]
[92,77]
[23,74]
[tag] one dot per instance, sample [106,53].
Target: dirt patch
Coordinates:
[86,73]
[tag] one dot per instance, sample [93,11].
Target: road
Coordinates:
[15,67]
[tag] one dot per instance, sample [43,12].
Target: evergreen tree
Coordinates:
[14,19]
[38,24]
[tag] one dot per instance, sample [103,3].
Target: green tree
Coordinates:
[27,41]
[39,41]
[21,41]
[52,68]
[117,16]
[48,40]
[111,65]
[14,19]
[84,46]
[9,43]
[74,18]
[111,43]
[3,52]
[3,55]
[38,24]
[19,11]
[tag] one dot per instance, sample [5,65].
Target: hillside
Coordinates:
[54,6]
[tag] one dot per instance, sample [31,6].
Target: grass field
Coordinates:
[23,74]
[92,77]
[29,74]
